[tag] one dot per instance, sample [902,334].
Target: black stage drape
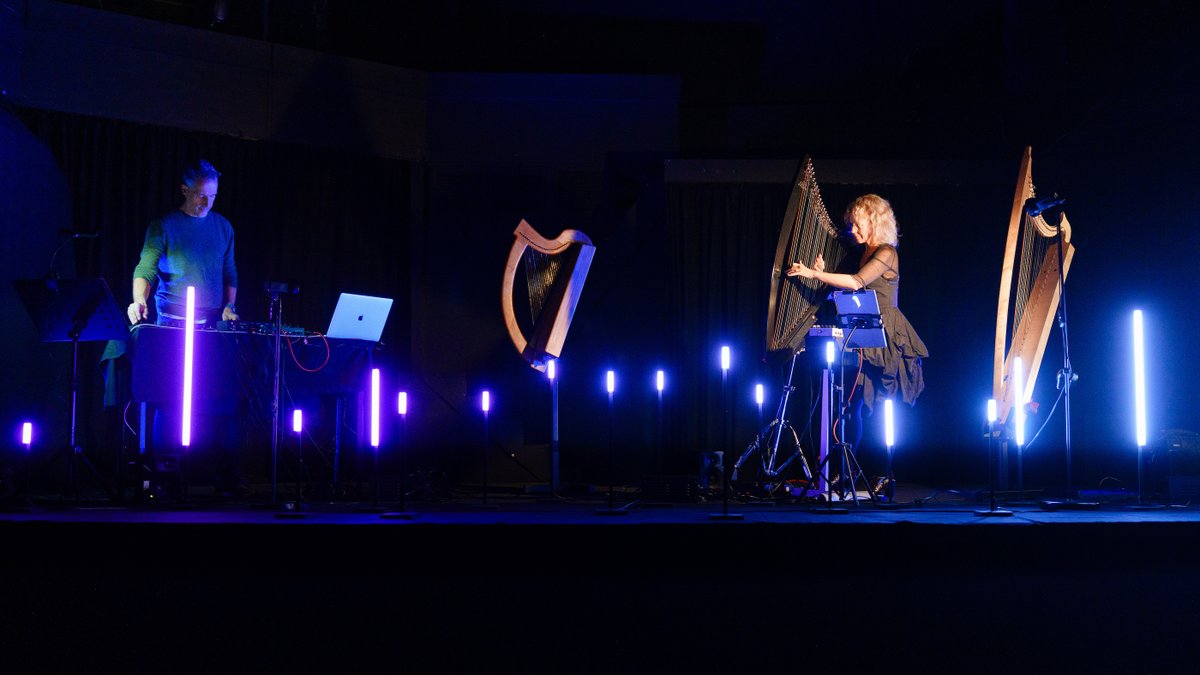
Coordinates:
[325,221]
[721,240]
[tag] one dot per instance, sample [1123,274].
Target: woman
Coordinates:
[893,371]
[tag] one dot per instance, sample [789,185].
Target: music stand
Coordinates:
[858,311]
[74,310]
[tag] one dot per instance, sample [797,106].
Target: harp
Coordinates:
[555,271]
[1029,292]
[807,231]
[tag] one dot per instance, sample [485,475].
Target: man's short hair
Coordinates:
[198,171]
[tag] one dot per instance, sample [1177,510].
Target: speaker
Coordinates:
[1174,464]
[712,469]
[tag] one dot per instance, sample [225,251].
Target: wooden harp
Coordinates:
[555,271]
[1029,292]
[807,231]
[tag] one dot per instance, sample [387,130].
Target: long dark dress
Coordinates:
[893,371]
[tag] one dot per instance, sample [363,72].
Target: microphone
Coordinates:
[280,288]
[52,274]
[1035,207]
[79,235]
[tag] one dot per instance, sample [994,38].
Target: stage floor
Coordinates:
[533,584]
[533,505]
[501,510]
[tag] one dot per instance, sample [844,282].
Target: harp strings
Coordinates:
[541,270]
[1034,248]
[1025,265]
[811,234]
[796,249]
[800,243]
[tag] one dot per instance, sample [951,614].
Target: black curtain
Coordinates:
[328,222]
[721,240]
[325,221]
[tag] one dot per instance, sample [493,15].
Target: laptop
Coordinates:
[359,317]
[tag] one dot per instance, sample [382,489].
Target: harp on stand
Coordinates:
[807,231]
[555,271]
[1037,257]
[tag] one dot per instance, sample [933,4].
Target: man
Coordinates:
[192,246]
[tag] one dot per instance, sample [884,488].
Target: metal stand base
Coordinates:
[292,515]
[294,511]
[398,515]
[726,516]
[1067,505]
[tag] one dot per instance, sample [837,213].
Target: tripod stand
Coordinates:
[766,444]
[74,310]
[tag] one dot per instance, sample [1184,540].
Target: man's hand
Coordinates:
[137,312]
[229,314]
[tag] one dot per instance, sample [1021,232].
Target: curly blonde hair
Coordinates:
[874,213]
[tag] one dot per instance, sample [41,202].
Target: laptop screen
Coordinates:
[359,317]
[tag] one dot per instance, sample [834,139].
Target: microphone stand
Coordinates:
[1067,373]
[276,289]
[276,313]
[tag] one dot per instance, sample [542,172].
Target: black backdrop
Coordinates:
[327,222]
[682,273]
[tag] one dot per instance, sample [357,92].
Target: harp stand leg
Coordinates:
[766,443]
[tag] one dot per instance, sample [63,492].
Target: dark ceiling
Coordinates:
[746,51]
[1039,69]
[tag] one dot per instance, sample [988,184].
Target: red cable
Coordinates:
[852,389]
[297,361]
